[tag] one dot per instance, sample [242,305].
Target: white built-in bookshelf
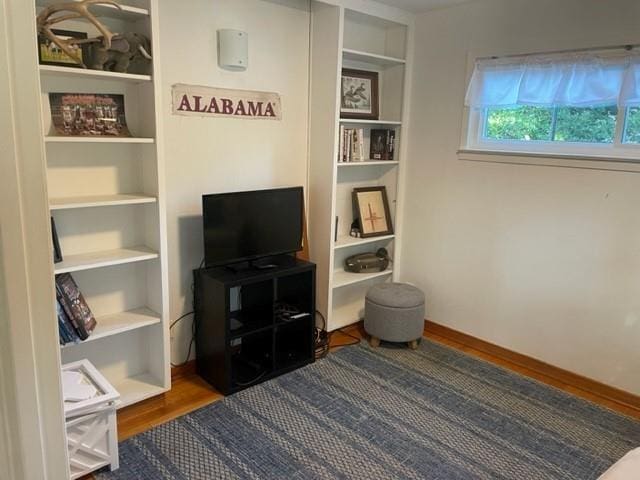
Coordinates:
[346,38]
[107,197]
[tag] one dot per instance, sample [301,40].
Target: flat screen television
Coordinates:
[246,226]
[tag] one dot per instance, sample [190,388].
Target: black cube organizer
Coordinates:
[253,325]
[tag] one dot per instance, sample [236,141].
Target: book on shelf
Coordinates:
[66,330]
[382,144]
[57,252]
[74,306]
[351,148]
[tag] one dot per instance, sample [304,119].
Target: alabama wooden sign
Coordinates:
[194,100]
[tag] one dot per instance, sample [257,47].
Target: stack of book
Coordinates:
[75,320]
[351,145]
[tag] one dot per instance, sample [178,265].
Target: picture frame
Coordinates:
[371,209]
[50,54]
[359,95]
[88,114]
[57,252]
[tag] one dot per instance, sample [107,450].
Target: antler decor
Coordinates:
[56,13]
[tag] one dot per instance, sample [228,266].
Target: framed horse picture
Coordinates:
[359,94]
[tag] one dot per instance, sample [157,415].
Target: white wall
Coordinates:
[217,154]
[542,260]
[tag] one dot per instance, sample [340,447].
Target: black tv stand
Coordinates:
[254,324]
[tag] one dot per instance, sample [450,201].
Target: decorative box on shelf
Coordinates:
[92,437]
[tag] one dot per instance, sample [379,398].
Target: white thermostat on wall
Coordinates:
[233,50]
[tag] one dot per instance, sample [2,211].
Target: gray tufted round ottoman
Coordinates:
[394,312]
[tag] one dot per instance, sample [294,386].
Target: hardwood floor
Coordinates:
[188,393]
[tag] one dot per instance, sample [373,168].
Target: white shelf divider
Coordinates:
[372,58]
[96,139]
[369,163]
[347,241]
[88,261]
[120,323]
[86,73]
[126,12]
[65,203]
[355,121]
[342,278]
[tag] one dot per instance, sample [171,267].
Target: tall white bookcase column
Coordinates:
[107,197]
[378,39]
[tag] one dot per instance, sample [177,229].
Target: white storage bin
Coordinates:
[92,436]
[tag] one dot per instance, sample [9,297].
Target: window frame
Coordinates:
[616,150]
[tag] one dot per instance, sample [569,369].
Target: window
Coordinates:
[586,105]
[558,124]
[632,128]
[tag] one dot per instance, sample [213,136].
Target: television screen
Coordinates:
[244,226]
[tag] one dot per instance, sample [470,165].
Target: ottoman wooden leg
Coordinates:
[413,344]
[374,341]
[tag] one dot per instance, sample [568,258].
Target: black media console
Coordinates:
[254,324]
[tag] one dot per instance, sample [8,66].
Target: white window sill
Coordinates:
[589,162]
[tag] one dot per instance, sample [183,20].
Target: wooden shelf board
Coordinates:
[96,139]
[372,58]
[128,13]
[369,163]
[355,121]
[137,388]
[65,203]
[347,241]
[84,73]
[88,261]
[342,278]
[117,323]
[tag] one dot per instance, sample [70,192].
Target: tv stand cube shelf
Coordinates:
[242,338]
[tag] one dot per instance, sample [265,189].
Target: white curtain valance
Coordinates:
[546,81]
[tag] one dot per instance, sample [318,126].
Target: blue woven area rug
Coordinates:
[387,413]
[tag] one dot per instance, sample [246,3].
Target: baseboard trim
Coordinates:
[570,379]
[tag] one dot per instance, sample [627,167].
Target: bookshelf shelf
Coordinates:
[369,163]
[136,388]
[361,37]
[342,278]
[120,323]
[85,73]
[371,58]
[60,139]
[120,256]
[87,176]
[126,12]
[352,121]
[66,203]
[347,241]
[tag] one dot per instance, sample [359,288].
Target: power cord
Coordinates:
[323,339]
[193,337]
[193,324]
[356,340]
